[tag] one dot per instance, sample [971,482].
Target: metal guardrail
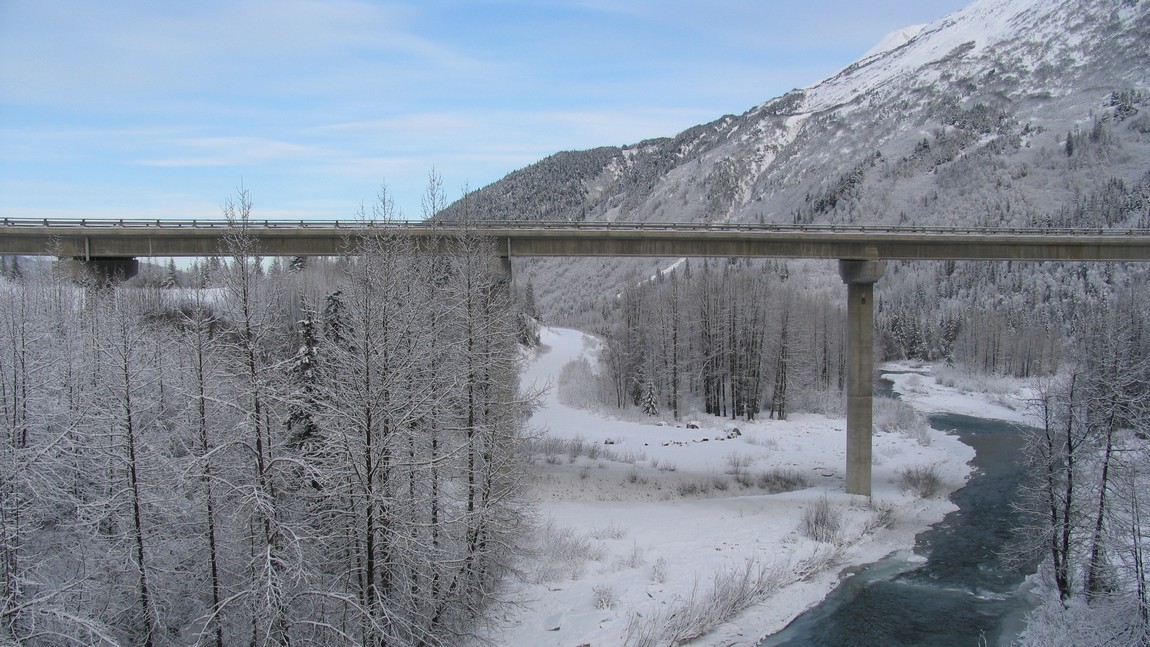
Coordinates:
[529,225]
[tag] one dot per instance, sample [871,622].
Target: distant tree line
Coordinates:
[732,338]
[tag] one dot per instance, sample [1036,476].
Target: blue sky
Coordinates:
[146,109]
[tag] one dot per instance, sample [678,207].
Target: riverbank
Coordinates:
[938,389]
[638,518]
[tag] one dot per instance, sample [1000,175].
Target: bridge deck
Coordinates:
[127,238]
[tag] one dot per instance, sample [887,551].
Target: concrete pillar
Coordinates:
[503,270]
[501,273]
[860,277]
[101,270]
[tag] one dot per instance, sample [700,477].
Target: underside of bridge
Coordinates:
[100,270]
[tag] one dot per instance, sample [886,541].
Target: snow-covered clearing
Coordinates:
[635,530]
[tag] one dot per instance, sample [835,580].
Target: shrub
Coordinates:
[689,488]
[605,597]
[576,447]
[610,531]
[922,481]
[782,480]
[738,463]
[896,416]
[562,554]
[821,522]
[745,479]
[704,485]
[767,443]
[633,559]
[882,516]
[701,611]
[719,483]
[578,386]
[659,571]
[552,449]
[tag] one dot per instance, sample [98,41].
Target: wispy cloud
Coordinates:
[234,151]
[137,102]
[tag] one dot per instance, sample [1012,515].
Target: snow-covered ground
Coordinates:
[630,529]
[934,390]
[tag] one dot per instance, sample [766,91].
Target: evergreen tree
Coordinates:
[171,279]
[650,401]
[334,319]
[529,307]
[301,422]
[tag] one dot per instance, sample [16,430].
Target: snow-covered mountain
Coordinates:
[962,121]
[1007,113]
[896,38]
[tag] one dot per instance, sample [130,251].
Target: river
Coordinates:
[956,588]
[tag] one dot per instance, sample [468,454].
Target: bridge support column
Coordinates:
[503,270]
[101,270]
[860,277]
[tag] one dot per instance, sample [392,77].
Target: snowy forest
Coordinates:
[744,339]
[323,457]
[733,338]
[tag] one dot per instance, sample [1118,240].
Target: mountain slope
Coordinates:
[967,119]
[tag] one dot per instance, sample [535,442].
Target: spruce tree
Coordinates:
[334,319]
[170,277]
[301,422]
[650,401]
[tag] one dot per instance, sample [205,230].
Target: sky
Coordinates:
[144,109]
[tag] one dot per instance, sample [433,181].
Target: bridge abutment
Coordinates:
[860,277]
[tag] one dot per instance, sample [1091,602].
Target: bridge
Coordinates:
[123,239]
[108,246]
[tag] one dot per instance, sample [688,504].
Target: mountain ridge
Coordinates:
[1010,76]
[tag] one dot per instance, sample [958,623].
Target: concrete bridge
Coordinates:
[109,247]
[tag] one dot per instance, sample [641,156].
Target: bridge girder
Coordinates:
[182,238]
